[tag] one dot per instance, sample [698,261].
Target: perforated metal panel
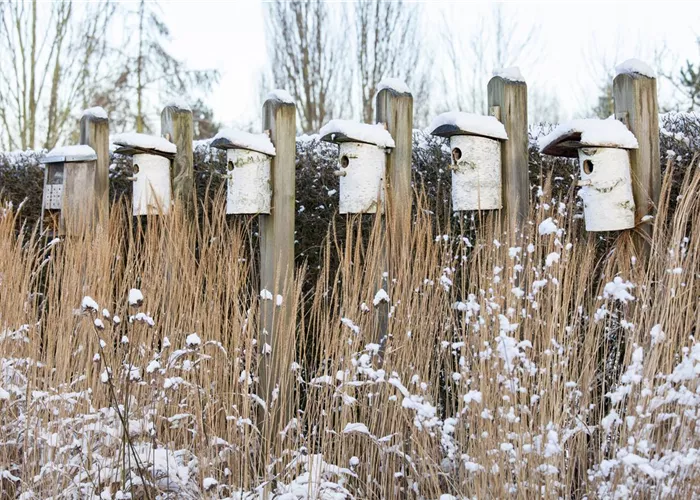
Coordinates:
[53,190]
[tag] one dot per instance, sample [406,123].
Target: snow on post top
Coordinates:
[281,95]
[591,132]
[395,84]
[61,154]
[179,103]
[144,142]
[512,74]
[228,138]
[96,112]
[631,66]
[461,123]
[351,131]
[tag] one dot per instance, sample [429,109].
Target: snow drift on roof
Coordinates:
[144,141]
[594,132]
[512,74]
[245,140]
[635,66]
[360,132]
[472,124]
[395,84]
[71,153]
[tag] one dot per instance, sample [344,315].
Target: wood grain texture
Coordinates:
[78,195]
[94,131]
[176,126]
[277,324]
[511,99]
[636,104]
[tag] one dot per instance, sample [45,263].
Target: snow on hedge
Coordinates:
[635,66]
[395,84]
[594,132]
[247,140]
[475,124]
[362,132]
[512,74]
[144,141]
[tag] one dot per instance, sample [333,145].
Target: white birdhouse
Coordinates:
[475,144]
[606,181]
[248,160]
[362,163]
[152,159]
[69,187]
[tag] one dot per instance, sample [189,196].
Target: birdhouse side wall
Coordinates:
[152,193]
[249,189]
[608,203]
[476,175]
[362,186]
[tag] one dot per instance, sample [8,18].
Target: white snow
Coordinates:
[657,335]
[135,297]
[96,112]
[144,141]
[512,74]
[179,103]
[594,132]
[89,303]
[245,140]
[74,151]
[193,340]
[281,95]
[618,290]
[395,84]
[635,66]
[380,296]
[362,132]
[265,294]
[547,226]
[209,483]
[487,126]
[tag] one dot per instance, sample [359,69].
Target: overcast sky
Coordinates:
[572,44]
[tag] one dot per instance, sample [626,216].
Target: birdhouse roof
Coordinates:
[64,154]
[460,123]
[134,144]
[229,138]
[567,138]
[338,131]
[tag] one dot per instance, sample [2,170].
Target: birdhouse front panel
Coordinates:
[152,193]
[249,190]
[362,170]
[53,186]
[476,173]
[606,189]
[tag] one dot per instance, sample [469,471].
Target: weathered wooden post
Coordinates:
[277,254]
[394,109]
[176,126]
[94,132]
[507,100]
[636,105]
[68,203]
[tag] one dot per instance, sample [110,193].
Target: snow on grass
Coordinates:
[135,297]
[193,340]
[380,296]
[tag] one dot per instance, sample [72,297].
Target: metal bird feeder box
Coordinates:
[362,152]
[475,145]
[602,148]
[248,160]
[152,161]
[68,203]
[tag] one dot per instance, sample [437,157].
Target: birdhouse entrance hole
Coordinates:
[230,166]
[344,161]
[456,154]
[588,167]
[136,169]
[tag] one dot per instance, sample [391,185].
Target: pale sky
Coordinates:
[573,41]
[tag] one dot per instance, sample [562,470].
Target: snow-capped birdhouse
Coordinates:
[248,158]
[362,150]
[69,188]
[602,148]
[475,144]
[152,159]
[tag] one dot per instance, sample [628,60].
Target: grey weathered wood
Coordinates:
[78,194]
[395,110]
[510,98]
[636,104]
[176,126]
[277,325]
[94,131]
